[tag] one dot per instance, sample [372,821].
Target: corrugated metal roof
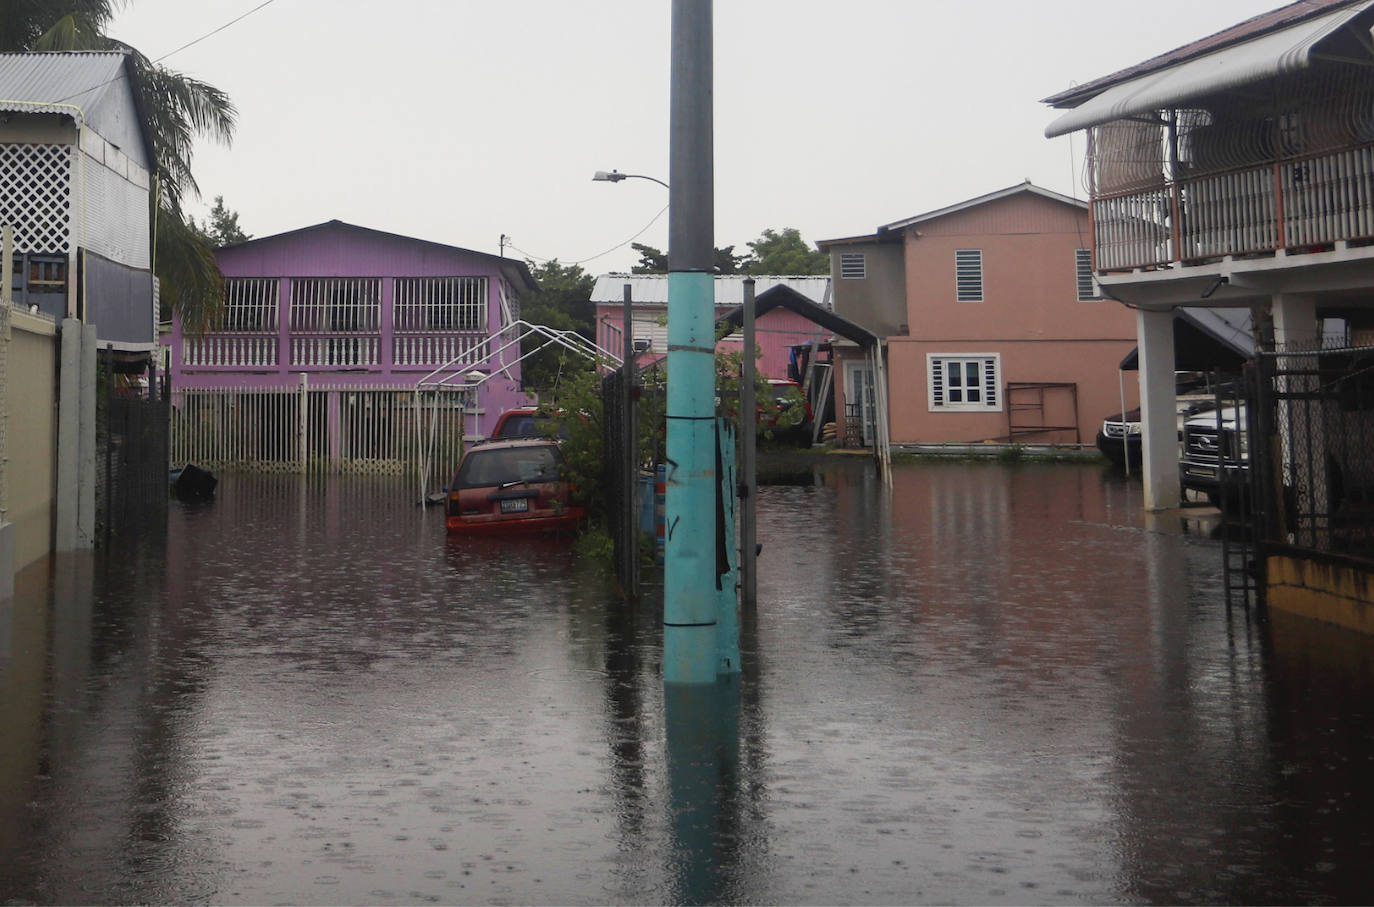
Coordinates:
[98,83]
[652,289]
[1242,31]
[1224,65]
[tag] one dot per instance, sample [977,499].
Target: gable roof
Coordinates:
[517,272]
[652,289]
[97,86]
[885,233]
[1280,41]
[783,296]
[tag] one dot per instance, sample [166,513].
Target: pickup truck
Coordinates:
[1215,460]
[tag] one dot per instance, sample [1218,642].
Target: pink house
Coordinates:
[778,330]
[993,327]
[324,336]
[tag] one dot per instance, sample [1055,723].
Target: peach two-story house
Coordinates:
[993,326]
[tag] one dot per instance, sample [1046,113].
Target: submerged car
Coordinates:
[529,422]
[1119,437]
[517,485]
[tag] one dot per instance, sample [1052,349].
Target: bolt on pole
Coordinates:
[689,575]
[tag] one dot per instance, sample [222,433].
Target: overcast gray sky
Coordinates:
[456,120]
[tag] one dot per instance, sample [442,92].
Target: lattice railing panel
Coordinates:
[36,195]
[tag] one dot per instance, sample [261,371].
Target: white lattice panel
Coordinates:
[36,195]
[115,214]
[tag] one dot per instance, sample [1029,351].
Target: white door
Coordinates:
[858,392]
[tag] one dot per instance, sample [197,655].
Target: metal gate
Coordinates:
[349,429]
[1313,466]
[131,449]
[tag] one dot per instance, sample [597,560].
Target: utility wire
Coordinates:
[583,261]
[216,31]
[169,53]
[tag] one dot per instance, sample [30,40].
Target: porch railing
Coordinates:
[1302,204]
[230,350]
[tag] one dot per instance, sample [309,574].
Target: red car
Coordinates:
[525,422]
[512,485]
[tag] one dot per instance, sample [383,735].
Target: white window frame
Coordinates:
[1083,275]
[853,266]
[989,383]
[968,275]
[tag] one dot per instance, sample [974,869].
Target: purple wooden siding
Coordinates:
[343,251]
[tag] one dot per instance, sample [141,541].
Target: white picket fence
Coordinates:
[306,429]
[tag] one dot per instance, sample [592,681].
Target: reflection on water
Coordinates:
[990,684]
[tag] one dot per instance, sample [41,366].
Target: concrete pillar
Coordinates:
[68,436]
[1158,409]
[1295,321]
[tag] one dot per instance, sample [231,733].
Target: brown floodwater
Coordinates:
[994,683]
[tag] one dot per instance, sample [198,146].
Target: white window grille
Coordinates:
[853,265]
[250,305]
[440,304]
[964,382]
[968,275]
[1083,269]
[336,305]
[36,195]
[335,321]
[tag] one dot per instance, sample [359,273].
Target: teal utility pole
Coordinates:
[690,601]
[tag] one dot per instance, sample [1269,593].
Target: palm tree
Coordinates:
[180,110]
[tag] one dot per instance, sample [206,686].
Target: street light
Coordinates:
[615,176]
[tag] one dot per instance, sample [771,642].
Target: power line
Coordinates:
[583,261]
[216,31]
[208,34]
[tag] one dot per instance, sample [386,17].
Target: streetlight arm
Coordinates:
[615,176]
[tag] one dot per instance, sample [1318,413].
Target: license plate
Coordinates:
[515,505]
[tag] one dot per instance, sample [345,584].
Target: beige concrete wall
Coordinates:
[31,402]
[1331,592]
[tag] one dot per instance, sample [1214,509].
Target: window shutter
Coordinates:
[990,382]
[937,382]
[968,275]
[1083,273]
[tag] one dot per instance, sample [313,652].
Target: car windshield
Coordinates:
[519,425]
[508,466]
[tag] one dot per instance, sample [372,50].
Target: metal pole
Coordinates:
[303,434]
[689,578]
[748,448]
[629,473]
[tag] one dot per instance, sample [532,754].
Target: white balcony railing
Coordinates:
[246,351]
[1299,205]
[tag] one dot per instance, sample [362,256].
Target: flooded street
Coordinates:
[994,684]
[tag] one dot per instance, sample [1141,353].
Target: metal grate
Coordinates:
[336,305]
[250,305]
[36,195]
[440,304]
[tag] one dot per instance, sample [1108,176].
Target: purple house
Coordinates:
[326,333]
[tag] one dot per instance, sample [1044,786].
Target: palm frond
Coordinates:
[186,270]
